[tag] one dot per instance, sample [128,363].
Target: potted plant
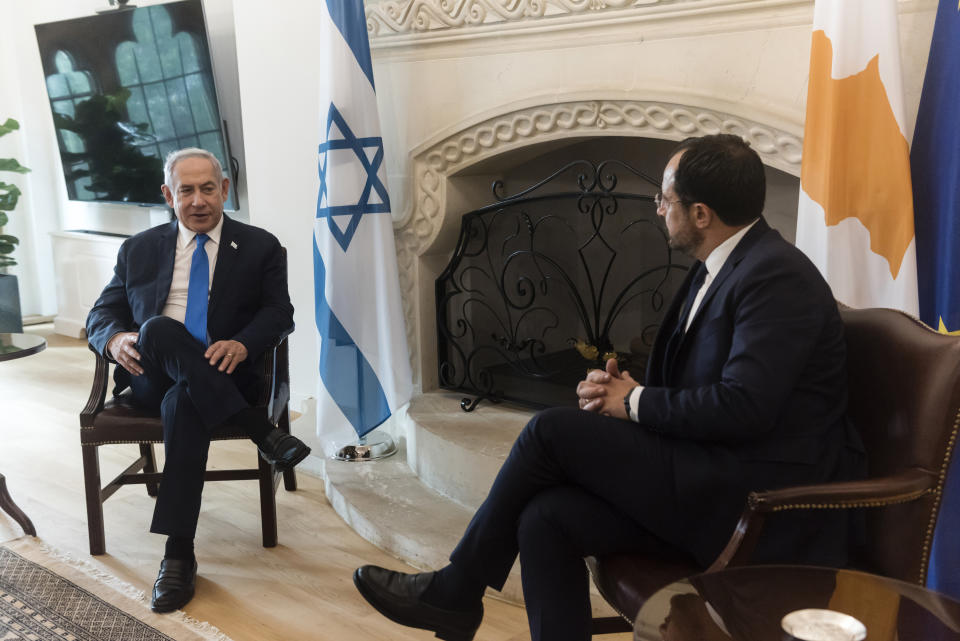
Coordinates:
[10,319]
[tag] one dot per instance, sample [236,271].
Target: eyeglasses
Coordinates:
[660,201]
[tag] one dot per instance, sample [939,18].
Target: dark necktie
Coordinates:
[695,286]
[197,292]
[673,343]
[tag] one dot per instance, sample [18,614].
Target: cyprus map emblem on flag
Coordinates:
[855,218]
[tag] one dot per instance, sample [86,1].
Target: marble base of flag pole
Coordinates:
[373,446]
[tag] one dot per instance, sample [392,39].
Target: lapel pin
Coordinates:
[233,244]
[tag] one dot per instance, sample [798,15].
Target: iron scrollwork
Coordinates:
[549,282]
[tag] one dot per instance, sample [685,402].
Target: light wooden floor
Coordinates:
[301,589]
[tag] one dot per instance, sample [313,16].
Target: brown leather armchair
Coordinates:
[119,420]
[904,381]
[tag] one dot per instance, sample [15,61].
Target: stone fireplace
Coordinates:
[454,177]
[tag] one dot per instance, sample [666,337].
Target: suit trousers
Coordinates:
[193,398]
[575,484]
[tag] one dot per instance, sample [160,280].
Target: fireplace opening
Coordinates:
[566,265]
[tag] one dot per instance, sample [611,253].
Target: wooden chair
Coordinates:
[119,420]
[904,382]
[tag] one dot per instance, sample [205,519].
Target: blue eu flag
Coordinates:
[935,165]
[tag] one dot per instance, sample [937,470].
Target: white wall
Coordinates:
[279,91]
[37,212]
[45,207]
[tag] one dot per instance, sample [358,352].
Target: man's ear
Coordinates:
[225,189]
[702,215]
[167,195]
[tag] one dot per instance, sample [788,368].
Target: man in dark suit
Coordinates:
[745,389]
[191,309]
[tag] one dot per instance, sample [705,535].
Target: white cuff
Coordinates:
[635,402]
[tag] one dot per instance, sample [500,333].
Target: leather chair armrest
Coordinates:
[876,492]
[98,390]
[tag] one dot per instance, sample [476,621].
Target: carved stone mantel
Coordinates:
[399,22]
[419,230]
[395,22]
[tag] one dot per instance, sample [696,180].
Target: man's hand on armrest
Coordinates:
[121,348]
[228,353]
[603,391]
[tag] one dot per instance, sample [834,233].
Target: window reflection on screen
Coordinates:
[126,88]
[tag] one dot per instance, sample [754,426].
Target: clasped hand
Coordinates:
[603,390]
[122,349]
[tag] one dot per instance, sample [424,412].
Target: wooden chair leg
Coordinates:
[268,503]
[11,508]
[290,480]
[91,484]
[146,451]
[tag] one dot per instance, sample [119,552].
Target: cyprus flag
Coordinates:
[855,219]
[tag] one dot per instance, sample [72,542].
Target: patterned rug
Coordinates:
[40,604]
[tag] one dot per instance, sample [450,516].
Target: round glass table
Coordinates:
[17,346]
[749,604]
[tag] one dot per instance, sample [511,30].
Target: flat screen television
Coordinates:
[127,87]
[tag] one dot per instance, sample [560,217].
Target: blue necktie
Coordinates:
[197,291]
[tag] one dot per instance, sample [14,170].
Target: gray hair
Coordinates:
[190,152]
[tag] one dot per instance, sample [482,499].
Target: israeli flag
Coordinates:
[364,362]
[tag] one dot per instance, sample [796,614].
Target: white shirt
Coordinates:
[714,263]
[176,305]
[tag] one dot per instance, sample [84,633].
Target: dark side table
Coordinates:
[17,346]
[748,604]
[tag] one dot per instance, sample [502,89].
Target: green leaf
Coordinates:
[11,164]
[9,194]
[6,248]
[8,239]
[7,127]
[6,261]
[3,219]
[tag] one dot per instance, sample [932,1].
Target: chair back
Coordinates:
[904,381]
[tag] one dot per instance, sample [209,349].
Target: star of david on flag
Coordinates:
[365,153]
[364,363]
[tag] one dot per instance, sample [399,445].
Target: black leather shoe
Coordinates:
[283,450]
[398,597]
[174,586]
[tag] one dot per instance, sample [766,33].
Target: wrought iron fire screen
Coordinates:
[550,282]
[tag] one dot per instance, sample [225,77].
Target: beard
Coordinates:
[686,239]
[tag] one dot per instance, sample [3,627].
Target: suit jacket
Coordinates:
[754,394]
[248,302]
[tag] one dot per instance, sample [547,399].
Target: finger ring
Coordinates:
[229,354]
